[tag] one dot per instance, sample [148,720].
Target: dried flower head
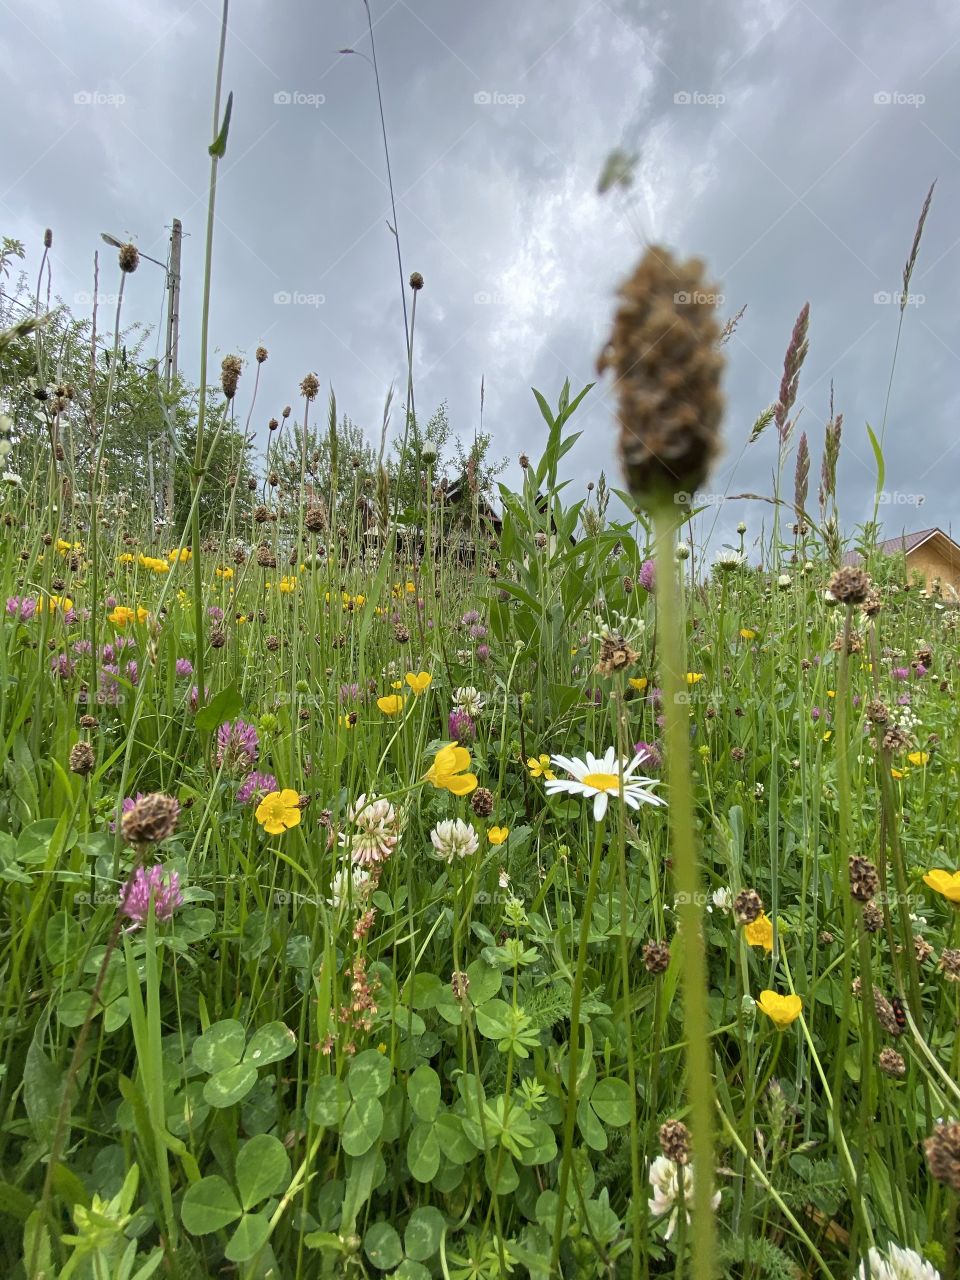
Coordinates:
[656,956]
[308,389]
[82,759]
[872,917]
[892,1064]
[665,355]
[849,585]
[864,878]
[261,354]
[151,819]
[747,906]
[129,258]
[877,712]
[416,281]
[481,802]
[230,370]
[949,964]
[942,1150]
[675,1141]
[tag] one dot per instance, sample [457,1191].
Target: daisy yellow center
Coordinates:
[602,781]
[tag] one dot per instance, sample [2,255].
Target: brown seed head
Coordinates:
[665,356]
[675,1141]
[949,964]
[656,956]
[872,917]
[82,759]
[877,712]
[747,906]
[152,819]
[416,281]
[129,258]
[892,1064]
[864,878]
[481,802]
[849,585]
[942,1150]
[230,371]
[308,388]
[261,354]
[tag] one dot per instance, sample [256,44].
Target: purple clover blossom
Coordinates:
[133,672]
[470,617]
[461,728]
[255,786]
[655,696]
[237,744]
[183,668]
[154,882]
[477,631]
[919,671]
[483,652]
[647,576]
[82,647]
[69,617]
[21,609]
[815,713]
[109,653]
[652,758]
[350,692]
[61,666]
[901,673]
[111,602]
[903,700]
[215,612]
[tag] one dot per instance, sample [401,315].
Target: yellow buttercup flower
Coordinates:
[396,684]
[288,585]
[497,835]
[747,634]
[180,555]
[918,757]
[53,603]
[694,677]
[279,811]
[828,735]
[226,572]
[831,693]
[946,883]
[539,767]
[347,722]
[759,933]
[419,682]
[392,704]
[781,1010]
[122,614]
[639,683]
[897,774]
[447,771]
[127,558]
[410,588]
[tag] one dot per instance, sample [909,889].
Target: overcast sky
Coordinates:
[788,143]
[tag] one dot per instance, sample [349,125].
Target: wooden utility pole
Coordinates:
[172,344]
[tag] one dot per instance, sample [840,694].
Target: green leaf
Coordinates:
[485,981]
[454,1143]
[249,1238]
[229,1086]
[218,149]
[423,1152]
[878,455]
[591,1128]
[227,703]
[423,1234]
[493,1019]
[270,1043]
[369,1074]
[263,1169]
[327,1102]
[424,1090]
[41,1089]
[382,1246]
[362,1126]
[611,1101]
[14,1202]
[63,937]
[209,1205]
[220,1047]
[72,1008]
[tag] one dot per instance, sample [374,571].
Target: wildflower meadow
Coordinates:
[405,874]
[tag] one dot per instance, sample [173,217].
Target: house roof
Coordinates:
[903,544]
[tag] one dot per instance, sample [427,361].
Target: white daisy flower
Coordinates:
[600,777]
[899,1264]
[727,559]
[665,1178]
[454,838]
[783,581]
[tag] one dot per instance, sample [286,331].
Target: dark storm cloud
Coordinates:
[790,144]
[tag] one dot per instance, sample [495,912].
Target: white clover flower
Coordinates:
[454,838]
[376,830]
[899,1264]
[469,699]
[350,884]
[665,1178]
[783,581]
[723,899]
